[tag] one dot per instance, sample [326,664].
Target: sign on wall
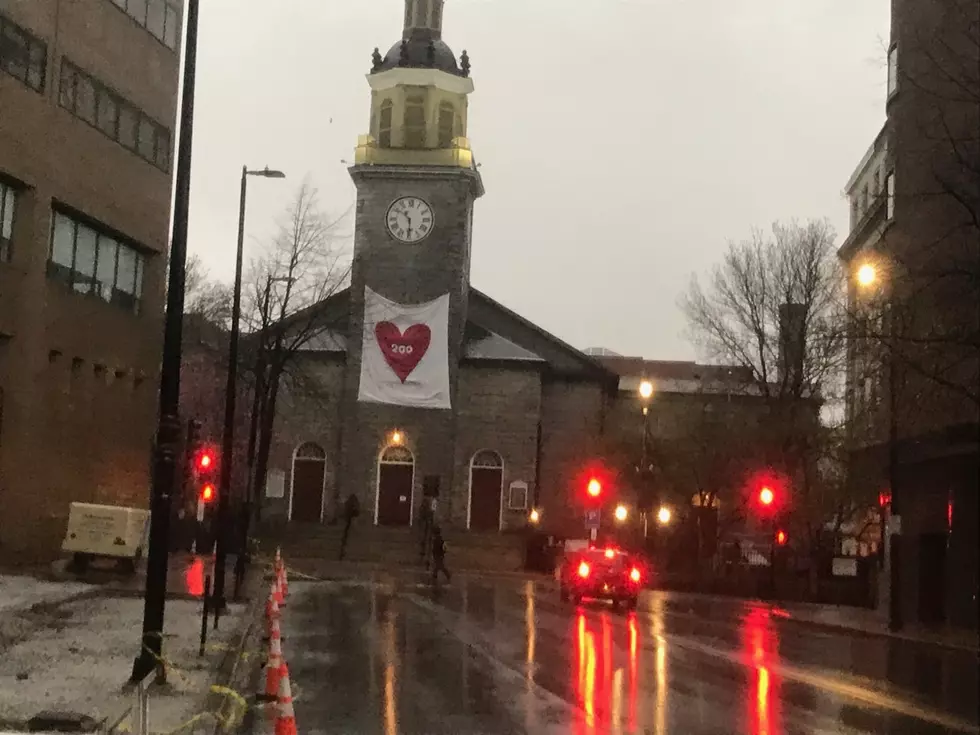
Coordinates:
[517,496]
[275,484]
[405,355]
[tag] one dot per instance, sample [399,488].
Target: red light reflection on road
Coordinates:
[194,577]
[634,633]
[761,644]
[585,691]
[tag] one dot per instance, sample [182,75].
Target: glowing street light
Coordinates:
[397,438]
[664,515]
[535,516]
[867,274]
[622,513]
[646,390]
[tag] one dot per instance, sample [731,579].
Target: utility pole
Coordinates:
[168,428]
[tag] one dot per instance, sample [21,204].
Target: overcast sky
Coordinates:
[623,142]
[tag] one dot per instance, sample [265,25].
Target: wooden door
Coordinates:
[308,477]
[486,485]
[395,494]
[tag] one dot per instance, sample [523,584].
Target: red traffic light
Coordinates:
[884,499]
[206,460]
[781,538]
[207,493]
[766,496]
[594,488]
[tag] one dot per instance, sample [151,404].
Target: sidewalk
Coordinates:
[74,652]
[855,619]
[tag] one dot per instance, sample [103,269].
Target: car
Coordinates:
[601,574]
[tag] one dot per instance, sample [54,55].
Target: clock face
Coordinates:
[409,219]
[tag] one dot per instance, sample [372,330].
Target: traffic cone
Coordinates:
[277,587]
[283,581]
[272,611]
[277,562]
[286,717]
[275,664]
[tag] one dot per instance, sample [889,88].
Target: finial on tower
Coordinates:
[423,18]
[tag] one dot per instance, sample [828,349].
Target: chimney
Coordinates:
[792,344]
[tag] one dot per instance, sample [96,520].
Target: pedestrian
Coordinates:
[439,556]
[352,509]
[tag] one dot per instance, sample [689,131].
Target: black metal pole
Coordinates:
[231,389]
[895,621]
[168,428]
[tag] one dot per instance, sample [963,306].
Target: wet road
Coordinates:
[491,655]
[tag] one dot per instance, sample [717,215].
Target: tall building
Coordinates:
[913,356]
[88,96]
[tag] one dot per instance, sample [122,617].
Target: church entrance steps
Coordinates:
[394,546]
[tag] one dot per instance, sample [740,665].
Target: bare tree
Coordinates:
[776,307]
[306,263]
[204,296]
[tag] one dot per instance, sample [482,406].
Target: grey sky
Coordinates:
[622,142]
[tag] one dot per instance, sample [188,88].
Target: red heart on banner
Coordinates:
[403,351]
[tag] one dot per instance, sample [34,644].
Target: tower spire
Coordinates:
[423,19]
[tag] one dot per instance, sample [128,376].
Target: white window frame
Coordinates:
[8,213]
[890,196]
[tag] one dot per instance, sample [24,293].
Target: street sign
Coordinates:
[592,517]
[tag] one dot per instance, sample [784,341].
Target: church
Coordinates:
[427,388]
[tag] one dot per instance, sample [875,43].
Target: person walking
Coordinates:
[352,509]
[439,556]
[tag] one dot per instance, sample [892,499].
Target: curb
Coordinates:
[871,633]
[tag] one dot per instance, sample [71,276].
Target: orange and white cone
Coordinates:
[275,664]
[277,561]
[272,605]
[277,587]
[286,717]
[283,581]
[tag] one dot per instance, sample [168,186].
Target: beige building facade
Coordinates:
[88,99]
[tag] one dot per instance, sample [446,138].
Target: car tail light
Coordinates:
[583,570]
[610,553]
[635,574]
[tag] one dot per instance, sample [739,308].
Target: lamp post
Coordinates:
[231,387]
[168,425]
[867,277]
[646,393]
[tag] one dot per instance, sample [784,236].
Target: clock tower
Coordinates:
[416,186]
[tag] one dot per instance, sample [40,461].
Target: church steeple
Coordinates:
[423,18]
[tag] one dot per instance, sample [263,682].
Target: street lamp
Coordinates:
[228,438]
[867,278]
[164,468]
[663,516]
[646,393]
[622,513]
[535,516]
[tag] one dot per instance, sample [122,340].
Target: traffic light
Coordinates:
[766,496]
[206,474]
[781,538]
[594,488]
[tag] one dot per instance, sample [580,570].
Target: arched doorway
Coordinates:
[396,478]
[486,491]
[309,475]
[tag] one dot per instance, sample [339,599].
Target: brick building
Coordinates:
[913,356]
[88,94]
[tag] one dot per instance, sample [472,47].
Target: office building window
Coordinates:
[22,55]
[91,101]
[160,17]
[8,199]
[892,70]
[95,263]
[890,193]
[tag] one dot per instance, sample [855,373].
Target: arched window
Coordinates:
[447,121]
[397,455]
[415,121]
[487,460]
[486,492]
[384,124]
[308,484]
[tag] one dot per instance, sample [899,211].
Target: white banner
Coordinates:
[405,355]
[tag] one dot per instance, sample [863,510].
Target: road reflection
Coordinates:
[760,641]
